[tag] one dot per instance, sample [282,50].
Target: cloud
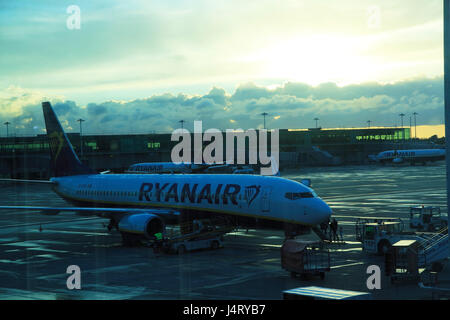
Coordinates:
[292,105]
[95,110]
[150,46]
[65,108]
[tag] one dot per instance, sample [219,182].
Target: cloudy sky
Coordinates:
[139,66]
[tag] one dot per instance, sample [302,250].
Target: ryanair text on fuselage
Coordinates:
[187,193]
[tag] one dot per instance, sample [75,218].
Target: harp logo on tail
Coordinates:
[56,141]
[251,192]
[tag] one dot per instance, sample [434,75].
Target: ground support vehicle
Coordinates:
[427,218]
[432,248]
[204,235]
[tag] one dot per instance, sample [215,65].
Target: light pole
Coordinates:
[403,131]
[7,131]
[316,119]
[415,125]
[182,124]
[368,122]
[264,114]
[81,137]
[401,117]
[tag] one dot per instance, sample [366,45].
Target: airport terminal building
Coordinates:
[22,157]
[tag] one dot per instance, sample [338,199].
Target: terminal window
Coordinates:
[153,145]
[92,145]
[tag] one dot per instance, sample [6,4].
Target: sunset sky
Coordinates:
[137,66]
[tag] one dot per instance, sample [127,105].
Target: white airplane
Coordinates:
[411,156]
[163,167]
[171,167]
[140,205]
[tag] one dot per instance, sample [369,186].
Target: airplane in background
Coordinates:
[164,167]
[170,167]
[140,205]
[412,156]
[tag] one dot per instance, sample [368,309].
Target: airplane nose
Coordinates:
[323,212]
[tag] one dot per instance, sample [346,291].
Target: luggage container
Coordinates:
[305,258]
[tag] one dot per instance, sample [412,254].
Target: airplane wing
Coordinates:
[28,181]
[103,212]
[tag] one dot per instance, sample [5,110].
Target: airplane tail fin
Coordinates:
[63,158]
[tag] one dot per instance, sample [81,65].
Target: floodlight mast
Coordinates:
[81,137]
[264,114]
[415,125]
[7,123]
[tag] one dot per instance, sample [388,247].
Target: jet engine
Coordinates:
[397,160]
[141,225]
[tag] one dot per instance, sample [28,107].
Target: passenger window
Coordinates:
[306,195]
[298,195]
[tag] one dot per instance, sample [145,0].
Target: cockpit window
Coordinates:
[298,195]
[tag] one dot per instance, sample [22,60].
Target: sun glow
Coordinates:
[318,58]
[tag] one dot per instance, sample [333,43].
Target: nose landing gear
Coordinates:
[293,230]
[112,224]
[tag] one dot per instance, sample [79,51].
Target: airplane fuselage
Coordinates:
[161,167]
[411,156]
[261,197]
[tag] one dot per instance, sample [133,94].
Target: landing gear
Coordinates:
[112,224]
[293,230]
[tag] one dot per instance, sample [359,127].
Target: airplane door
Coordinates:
[265,198]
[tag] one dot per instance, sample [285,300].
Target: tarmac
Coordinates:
[36,249]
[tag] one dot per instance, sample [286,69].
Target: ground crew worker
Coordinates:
[330,227]
[158,242]
[324,226]
[334,228]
